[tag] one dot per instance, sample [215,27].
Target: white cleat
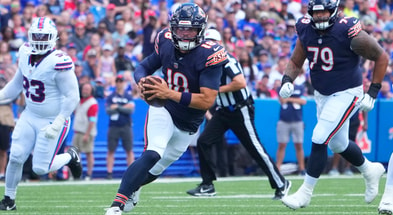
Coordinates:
[113,211]
[386,204]
[132,201]
[372,177]
[300,199]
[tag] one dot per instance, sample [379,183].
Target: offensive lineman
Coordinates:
[49,84]
[333,45]
[192,70]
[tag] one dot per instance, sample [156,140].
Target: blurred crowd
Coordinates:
[106,38]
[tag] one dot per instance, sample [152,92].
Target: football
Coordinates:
[155,102]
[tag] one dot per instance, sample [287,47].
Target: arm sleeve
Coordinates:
[147,67]
[68,86]
[13,88]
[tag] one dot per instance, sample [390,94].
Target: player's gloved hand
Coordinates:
[286,87]
[52,130]
[368,100]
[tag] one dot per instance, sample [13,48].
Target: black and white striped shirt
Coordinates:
[230,70]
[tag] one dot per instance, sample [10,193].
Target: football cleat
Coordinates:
[283,191]
[132,201]
[372,177]
[7,204]
[385,208]
[75,162]
[113,211]
[300,199]
[203,190]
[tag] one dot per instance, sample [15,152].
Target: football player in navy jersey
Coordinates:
[192,69]
[333,47]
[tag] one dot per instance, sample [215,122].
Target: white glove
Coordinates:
[53,130]
[286,90]
[367,103]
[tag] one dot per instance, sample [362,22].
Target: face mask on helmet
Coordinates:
[187,26]
[42,35]
[323,23]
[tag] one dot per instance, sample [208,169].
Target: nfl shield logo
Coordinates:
[176,65]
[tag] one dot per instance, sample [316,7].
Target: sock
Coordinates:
[317,161]
[362,168]
[353,154]
[119,201]
[134,176]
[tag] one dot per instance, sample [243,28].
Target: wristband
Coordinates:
[374,89]
[185,99]
[286,79]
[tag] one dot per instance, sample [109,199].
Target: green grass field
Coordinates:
[235,195]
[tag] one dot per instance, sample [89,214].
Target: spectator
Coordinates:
[106,65]
[120,36]
[19,30]
[228,42]
[90,65]
[283,13]
[109,18]
[278,70]
[132,54]
[291,126]
[85,126]
[119,107]
[91,27]
[149,34]
[263,91]
[63,40]
[122,63]
[103,32]
[95,43]
[250,70]
[79,37]
[71,51]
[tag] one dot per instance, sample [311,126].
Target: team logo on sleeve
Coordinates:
[354,30]
[216,58]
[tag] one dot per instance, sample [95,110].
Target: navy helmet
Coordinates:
[320,5]
[188,15]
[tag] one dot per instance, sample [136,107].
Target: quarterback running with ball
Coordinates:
[192,69]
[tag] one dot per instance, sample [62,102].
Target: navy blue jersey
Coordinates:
[119,119]
[334,66]
[201,67]
[292,112]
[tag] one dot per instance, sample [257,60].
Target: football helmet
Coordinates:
[320,5]
[188,16]
[42,35]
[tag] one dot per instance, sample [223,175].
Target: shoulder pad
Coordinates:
[63,61]
[162,35]
[352,25]
[24,48]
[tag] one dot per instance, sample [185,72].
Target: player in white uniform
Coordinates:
[49,84]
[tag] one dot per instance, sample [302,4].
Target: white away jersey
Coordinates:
[43,97]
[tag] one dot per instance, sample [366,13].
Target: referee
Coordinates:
[235,111]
